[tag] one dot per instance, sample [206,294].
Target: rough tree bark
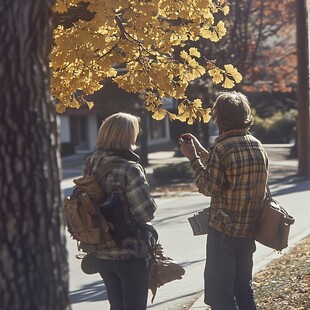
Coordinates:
[303,125]
[33,258]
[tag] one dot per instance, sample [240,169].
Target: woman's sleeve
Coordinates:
[142,205]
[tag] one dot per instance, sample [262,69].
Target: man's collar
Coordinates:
[232,133]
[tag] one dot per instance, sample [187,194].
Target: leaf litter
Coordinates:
[285,282]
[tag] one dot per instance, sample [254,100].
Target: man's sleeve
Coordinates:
[210,174]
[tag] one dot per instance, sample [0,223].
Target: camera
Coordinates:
[185,140]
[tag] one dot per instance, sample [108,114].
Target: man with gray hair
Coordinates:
[234,173]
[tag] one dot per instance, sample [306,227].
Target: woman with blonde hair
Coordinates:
[123,267]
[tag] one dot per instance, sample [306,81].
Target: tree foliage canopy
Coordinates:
[260,42]
[142,46]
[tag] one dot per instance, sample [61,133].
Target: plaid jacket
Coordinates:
[234,174]
[128,177]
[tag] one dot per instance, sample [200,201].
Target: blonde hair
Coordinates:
[119,132]
[232,110]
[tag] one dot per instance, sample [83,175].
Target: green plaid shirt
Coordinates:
[129,177]
[234,174]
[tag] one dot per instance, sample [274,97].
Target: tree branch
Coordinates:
[73,15]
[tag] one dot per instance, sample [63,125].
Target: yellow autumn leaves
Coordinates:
[228,77]
[141,46]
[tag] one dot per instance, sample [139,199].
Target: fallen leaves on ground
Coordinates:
[159,189]
[285,283]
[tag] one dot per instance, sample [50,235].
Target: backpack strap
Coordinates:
[131,222]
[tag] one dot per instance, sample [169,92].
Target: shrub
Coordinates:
[279,128]
[174,171]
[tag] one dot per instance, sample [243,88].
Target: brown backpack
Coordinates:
[83,217]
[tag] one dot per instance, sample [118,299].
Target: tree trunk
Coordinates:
[33,257]
[303,131]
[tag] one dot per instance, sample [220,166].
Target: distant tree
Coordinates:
[33,260]
[271,62]
[260,42]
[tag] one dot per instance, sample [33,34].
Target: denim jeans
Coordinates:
[228,272]
[126,282]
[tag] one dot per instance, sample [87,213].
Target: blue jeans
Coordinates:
[228,272]
[126,282]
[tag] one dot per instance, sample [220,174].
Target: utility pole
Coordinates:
[303,127]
